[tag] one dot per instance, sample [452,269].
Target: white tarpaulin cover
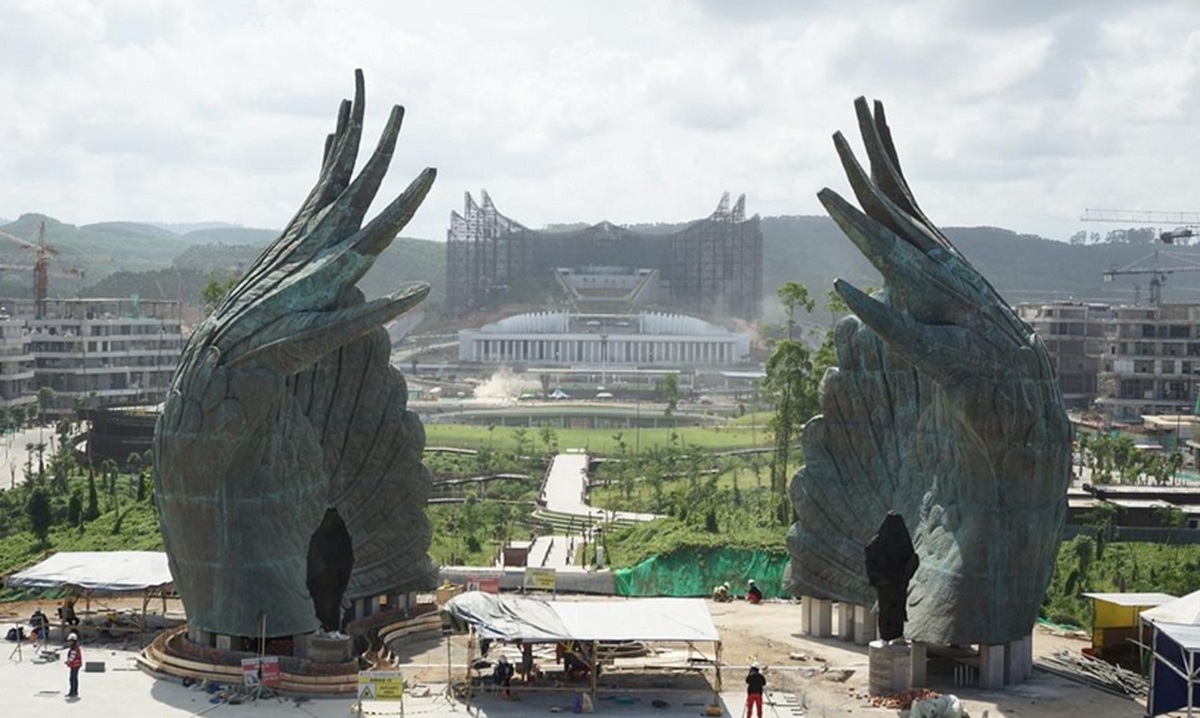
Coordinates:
[1180,610]
[97,570]
[520,618]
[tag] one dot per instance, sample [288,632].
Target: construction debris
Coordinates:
[1094,672]
[904,699]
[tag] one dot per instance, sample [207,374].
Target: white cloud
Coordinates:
[1018,114]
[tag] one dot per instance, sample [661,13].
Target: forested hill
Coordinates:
[170,261]
[1023,268]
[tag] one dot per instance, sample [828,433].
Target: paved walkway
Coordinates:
[34,689]
[13,454]
[565,491]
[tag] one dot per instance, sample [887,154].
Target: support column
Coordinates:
[805,616]
[864,625]
[199,636]
[919,656]
[1018,660]
[224,642]
[300,645]
[845,621]
[991,666]
[821,618]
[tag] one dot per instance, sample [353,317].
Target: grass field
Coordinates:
[599,441]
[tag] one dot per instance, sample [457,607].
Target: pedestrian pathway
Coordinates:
[563,504]
[565,492]
[13,456]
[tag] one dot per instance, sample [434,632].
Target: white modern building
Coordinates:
[16,364]
[638,339]
[106,352]
[1153,362]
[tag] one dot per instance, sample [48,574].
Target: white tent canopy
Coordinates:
[1175,640]
[519,618]
[1180,610]
[97,571]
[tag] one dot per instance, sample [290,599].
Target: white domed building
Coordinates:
[642,339]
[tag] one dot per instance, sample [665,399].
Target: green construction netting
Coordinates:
[694,572]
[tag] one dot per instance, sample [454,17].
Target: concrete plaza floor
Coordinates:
[34,688]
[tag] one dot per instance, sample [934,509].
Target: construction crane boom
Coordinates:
[1158,275]
[1144,216]
[41,266]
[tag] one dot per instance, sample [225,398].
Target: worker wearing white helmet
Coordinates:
[74,662]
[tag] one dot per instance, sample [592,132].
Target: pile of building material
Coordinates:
[1094,672]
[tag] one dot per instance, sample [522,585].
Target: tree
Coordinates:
[46,398]
[671,393]
[1171,518]
[215,292]
[791,384]
[549,438]
[793,295]
[93,501]
[39,512]
[135,464]
[1102,517]
[1124,453]
[75,508]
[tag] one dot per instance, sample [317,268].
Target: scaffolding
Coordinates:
[712,265]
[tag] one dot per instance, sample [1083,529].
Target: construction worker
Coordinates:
[720,593]
[755,683]
[754,594]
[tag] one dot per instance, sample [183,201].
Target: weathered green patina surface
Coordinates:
[285,406]
[944,406]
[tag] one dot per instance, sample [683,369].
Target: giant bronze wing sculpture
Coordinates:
[288,471]
[944,406]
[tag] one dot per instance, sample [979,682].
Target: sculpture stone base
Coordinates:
[889,667]
[329,649]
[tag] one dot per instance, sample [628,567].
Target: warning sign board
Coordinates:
[480,583]
[272,674]
[540,579]
[380,685]
[262,671]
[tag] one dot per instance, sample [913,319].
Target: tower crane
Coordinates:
[1187,225]
[1158,275]
[41,266]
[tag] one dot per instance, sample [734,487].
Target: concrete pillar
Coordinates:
[1018,660]
[864,625]
[300,645]
[805,616]
[821,618]
[845,621]
[919,656]
[224,642]
[200,637]
[991,666]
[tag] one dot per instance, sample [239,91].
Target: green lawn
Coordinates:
[599,441]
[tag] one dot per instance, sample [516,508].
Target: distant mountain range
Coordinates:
[175,260]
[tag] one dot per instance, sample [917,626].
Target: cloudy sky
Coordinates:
[1013,113]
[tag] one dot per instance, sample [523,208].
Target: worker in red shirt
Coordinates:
[74,663]
[755,682]
[754,594]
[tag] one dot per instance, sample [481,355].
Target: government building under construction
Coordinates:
[711,266]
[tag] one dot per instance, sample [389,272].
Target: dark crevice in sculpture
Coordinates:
[891,562]
[943,406]
[330,563]
[285,404]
